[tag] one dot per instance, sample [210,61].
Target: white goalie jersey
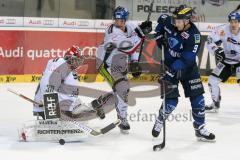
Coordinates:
[56,77]
[231,43]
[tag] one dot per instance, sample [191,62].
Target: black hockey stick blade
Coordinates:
[159,147]
[110,127]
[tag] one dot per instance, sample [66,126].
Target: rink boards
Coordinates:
[91,78]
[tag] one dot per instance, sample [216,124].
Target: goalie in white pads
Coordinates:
[122,38]
[228,57]
[58,92]
[60,76]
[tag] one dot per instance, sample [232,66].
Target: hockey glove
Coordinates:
[135,69]
[161,40]
[219,54]
[146,27]
[110,47]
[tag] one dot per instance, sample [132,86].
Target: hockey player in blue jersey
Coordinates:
[181,40]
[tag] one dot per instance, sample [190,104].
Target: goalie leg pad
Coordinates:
[52,130]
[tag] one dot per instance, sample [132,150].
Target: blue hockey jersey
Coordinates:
[181,47]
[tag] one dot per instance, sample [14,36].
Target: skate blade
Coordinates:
[124,131]
[212,111]
[202,139]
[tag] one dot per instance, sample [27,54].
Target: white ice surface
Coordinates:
[181,143]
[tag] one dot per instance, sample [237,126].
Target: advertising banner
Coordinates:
[26,51]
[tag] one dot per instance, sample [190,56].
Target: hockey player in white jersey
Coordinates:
[60,76]
[121,40]
[228,57]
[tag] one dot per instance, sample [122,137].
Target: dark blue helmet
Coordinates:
[235,15]
[120,13]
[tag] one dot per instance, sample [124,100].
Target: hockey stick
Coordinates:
[234,60]
[92,131]
[148,18]
[25,97]
[160,146]
[106,129]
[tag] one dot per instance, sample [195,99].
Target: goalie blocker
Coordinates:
[51,106]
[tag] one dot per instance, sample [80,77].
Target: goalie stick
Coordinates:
[148,18]
[25,97]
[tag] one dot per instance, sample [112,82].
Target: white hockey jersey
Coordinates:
[125,42]
[231,43]
[58,77]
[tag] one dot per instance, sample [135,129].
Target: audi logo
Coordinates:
[82,23]
[89,52]
[48,22]
[11,21]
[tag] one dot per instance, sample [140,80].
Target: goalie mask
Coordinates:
[73,57]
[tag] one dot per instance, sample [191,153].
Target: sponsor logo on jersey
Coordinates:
[185,35]
[174,54]
[197,38]
[172,42]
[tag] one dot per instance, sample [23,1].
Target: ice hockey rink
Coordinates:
[181,143]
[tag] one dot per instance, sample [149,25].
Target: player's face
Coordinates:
[76,62]
[234,25]
[180,24]
[120,23]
